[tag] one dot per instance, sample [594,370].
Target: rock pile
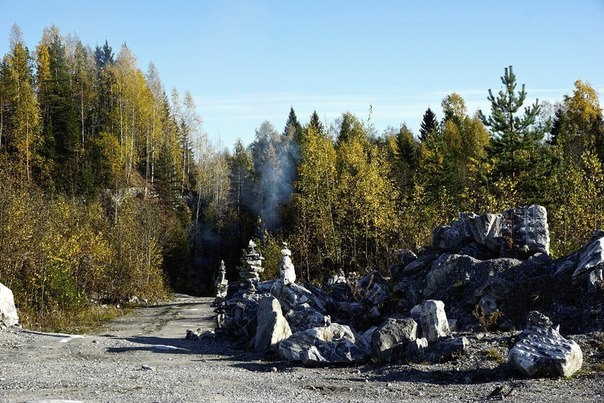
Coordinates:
[488,271]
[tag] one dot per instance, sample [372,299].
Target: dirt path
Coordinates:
[144,357]
[170,320]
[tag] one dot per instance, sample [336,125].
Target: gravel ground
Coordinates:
[144,357]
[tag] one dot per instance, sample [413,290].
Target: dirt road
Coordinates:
[144,357]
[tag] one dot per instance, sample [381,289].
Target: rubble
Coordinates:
[488,271]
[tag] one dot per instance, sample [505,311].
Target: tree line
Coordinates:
[110,189]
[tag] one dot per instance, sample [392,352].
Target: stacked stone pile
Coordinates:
[251,267]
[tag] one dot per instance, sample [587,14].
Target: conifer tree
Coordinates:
[315,123]
[403,153]
[60,128]
[514,136]
[22,132]
[293,128]
[429,124]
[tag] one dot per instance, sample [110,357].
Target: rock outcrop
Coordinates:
[591,263]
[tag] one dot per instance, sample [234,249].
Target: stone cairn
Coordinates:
[221,285]
[286,267]
[251,266]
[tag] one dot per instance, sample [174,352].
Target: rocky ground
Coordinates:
[144,357]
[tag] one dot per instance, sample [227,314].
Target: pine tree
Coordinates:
[514,137]
[403,152]
[105,88]
[103,56]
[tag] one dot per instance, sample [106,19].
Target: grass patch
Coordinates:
[495,355]
[73,322]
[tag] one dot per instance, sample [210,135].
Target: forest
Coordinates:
[111,192]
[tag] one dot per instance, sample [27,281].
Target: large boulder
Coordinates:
[526,230]
[432,320]
[450,237]
[519,232]
[405,257]
[447,349]
[390,339]
[462,276]
[373,288]
[416,350]
[293,295]
[272,326]
[321,346]
[483,228]
[8,311]
[542,352]
[591,263]
[303,317]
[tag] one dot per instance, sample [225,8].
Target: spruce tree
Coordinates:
[429,124]
[315,123]
[293,128]
[103,55]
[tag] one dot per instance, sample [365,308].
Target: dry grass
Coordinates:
[78,322]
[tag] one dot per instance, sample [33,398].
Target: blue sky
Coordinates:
[250,61]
